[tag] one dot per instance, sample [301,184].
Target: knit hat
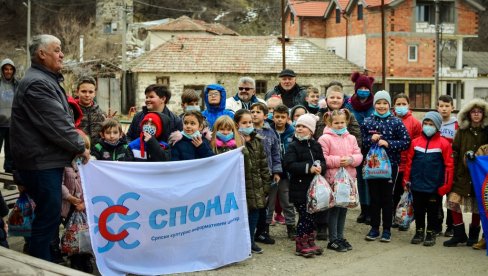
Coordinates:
[156,120]
[382,95]
[362,81]
[308,120]
[434,117]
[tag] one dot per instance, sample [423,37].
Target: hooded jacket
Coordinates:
[212,112]
[467,138]
[155,149]
[182,147]
[42,131]
[449,128]
[135,126]
[352,127]
[7,89]
[271,148]
[414,128]
[257,175]
[335,146]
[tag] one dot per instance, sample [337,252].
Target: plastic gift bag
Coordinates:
[376,164]
[320,196]
[76,238]
[404,210]
[21,216]
[345,189]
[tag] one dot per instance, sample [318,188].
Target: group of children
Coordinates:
[283,152]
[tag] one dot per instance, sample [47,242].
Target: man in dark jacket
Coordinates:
[291,93]
[44,139]
[8,84]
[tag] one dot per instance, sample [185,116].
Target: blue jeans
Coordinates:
[253,216]
[337,220]
[44,187]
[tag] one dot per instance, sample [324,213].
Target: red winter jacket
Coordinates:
[430,166]
[414,128]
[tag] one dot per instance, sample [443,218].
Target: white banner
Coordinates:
[167,217]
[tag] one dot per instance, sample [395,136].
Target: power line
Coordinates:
[161,7]
[82,3]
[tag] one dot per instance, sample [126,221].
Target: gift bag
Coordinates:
[345,189]
[21,216]
[75,238]
[319,195]
[404,210]
[376,164]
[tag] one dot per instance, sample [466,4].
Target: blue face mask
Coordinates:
[363,94]
[191,136]
[313,105]
[246,130]
[192,108]
[429,130]
[294,123]
[388,113]
[340,131]
[149,129]
[270,115]
[223,137]
[401,110]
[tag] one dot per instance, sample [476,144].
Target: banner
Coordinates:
[167,217]
[478,168]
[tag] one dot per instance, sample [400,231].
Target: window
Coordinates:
[396,88]
[412,52]
[163,80]
[261,86]
[377,86]
[331,50]
[420,95]
[452,89]
[360,12]
[107,28]
[425,12]
[292,19]
[446,12]
[199,89]
[338,15]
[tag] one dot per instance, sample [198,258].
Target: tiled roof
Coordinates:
[471,59]
[240,54]
[308,8]
[343,4]
[184,23]
[376,3]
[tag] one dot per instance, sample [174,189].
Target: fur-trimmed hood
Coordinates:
[463,115]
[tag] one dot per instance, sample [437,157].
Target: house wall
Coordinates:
[312,27]
[356,48]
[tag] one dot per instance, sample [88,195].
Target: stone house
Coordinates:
[353,31]
[193,62]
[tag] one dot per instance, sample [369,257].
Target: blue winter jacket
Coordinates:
[392,130]
[211,113]
[185,150]
[271,146]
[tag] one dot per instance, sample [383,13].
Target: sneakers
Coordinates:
[419,236]
[291,231]
[346,244]
[403,228]
[279,218]
[256,249]
[373,234]
[449,232]
[337,246]
[386,236]
[430,238]
[264,238]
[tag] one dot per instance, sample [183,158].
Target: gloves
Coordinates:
[470,155]
[443,190]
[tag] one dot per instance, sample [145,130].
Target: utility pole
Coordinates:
[283,33]
[383,46]
[124,36]
[437,57]
[28,5]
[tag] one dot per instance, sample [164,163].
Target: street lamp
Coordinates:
[28,5]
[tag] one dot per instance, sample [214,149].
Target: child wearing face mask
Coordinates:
[401,104]
[150,146]
[189,143]
[340,149]
[429,169]
[225,136]
[112,145]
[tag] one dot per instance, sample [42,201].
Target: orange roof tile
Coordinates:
[309,8]
[184,23]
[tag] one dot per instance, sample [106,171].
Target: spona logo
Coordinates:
[108,214]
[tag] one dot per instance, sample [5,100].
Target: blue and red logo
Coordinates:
[108,214]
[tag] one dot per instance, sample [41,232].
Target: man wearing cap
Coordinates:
[8,84]
[291,93]
[245,97]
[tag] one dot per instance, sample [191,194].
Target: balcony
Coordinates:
[466,72]
[426,27]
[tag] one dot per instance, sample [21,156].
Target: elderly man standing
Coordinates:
[43,138]
[291,93]
[8,84]
[245,97]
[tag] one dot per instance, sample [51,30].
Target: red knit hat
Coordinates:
[362,81]
[156,120]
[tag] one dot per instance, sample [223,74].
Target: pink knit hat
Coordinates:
[308,120]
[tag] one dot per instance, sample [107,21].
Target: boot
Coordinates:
[86,263]
[302,247]
[480,245]
[430,238]
[291,231]
[264,236]
[362,216]
[56,256]
[474,235]
[311,242]
[322,232]
[419,236]
[459,236]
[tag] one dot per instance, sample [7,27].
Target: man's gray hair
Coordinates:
[41,41]
[247,80]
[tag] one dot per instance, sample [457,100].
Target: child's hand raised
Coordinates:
[315,169]
[197,141]
[147,136]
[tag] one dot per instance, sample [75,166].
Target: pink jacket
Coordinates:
[71,186]
[335,146]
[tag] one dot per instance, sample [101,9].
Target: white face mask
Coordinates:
[149,129]
[302,138]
